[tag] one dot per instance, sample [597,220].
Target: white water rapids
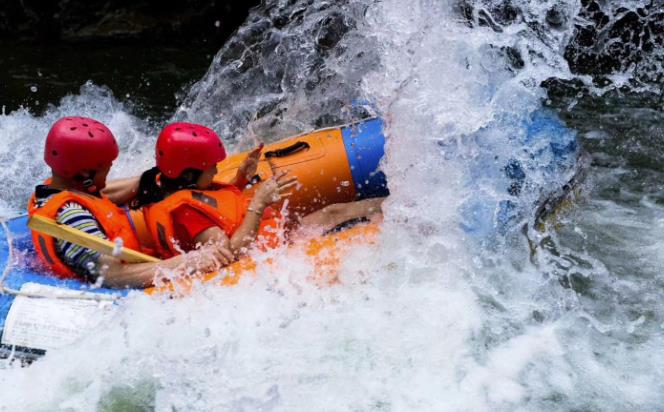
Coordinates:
[428,320]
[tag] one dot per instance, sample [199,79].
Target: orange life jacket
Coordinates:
[226,207]
[112,219]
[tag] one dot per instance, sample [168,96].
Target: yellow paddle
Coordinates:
[51,228]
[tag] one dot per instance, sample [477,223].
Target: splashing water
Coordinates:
[428,320]
[23,137]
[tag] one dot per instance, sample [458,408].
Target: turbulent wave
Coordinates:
[430,319]
[293,66]
[23,135]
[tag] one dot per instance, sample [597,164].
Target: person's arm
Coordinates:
[91,264]
[247,232]
[242,237]
[121,191]
[117,274]
[269,192]
[213,234]
[247,168]
[338,213]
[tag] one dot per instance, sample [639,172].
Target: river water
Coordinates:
[431,319]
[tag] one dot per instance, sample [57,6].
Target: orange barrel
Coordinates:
[332,165]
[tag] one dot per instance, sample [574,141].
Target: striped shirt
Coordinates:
[81,260]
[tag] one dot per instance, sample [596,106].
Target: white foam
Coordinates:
[22,137]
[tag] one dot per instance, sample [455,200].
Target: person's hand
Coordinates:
[212,257]
[248,167]
[274,189]
[222,254]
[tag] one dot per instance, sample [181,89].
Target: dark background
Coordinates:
[146,51]
[56,21]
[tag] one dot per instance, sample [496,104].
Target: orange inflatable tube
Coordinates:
[333,165]
[326,251]
[318,160]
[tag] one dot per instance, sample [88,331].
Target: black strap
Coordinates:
[42,245]
[287,151]
[161,234]
[205,199]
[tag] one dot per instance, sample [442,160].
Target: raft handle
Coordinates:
[287,151]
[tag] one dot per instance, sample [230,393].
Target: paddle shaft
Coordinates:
[50,227]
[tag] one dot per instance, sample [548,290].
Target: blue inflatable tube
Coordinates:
[365,143]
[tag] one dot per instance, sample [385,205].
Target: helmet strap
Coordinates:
[87,181]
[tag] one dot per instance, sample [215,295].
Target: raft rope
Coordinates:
[70,293]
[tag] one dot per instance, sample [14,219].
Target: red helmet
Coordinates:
[75,144]
[182,146]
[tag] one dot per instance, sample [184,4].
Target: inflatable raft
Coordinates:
[39,312]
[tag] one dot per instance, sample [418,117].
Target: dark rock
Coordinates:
[330,31]
[561,89]
[485,19]
[607,38]
[619,39]
[514,58]
[486,13]
[505,13]
[556,18]
[465,9]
